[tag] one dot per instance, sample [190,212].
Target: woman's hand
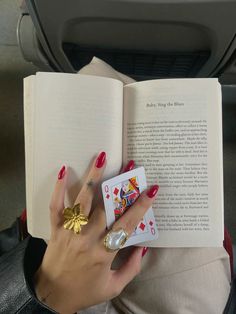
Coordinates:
[76,269]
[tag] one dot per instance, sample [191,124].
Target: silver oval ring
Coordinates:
[115,239]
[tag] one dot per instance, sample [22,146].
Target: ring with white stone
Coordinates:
[115,239]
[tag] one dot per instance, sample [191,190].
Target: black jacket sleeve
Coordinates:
[17,268]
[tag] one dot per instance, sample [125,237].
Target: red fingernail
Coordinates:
[144,251]
[100,160]
[152,191]
[129,166]
[61,173]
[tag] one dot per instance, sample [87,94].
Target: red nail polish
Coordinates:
[129,166]
[61,173]
[152,191]
[100,160]
[144,251]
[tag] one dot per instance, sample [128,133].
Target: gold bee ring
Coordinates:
[74,219]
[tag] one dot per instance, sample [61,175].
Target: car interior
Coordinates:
[144,40]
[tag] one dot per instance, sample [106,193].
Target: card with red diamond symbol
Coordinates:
[119,194]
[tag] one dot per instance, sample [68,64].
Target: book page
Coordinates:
[75,117]
[173,128]
[28,120]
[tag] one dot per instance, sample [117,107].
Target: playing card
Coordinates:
[119,193]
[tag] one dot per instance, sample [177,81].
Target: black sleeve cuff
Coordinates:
[17,268]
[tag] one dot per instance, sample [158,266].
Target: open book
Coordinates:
[171,127]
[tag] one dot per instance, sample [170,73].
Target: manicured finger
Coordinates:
[131,218]
[130,166]
[121,277]
[57,199]
[86,194]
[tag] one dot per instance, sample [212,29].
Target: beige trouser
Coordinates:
[172,280]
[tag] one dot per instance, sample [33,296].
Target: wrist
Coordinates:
[47,293]
[43,290]
[41,286]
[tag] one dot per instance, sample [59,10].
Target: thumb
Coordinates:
[129,270]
